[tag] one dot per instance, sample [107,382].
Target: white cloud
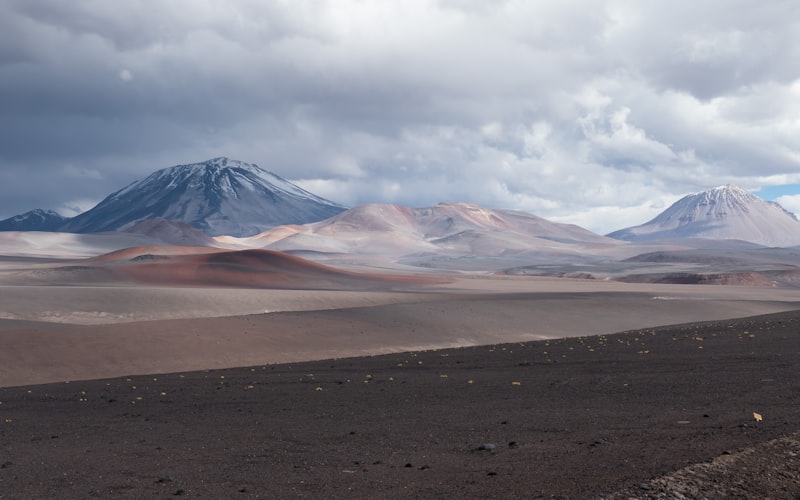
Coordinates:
[71,208]
[125,75]
[790,203]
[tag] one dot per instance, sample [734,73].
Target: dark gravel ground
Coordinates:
[653,413]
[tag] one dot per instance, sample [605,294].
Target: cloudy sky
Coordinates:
[599,113]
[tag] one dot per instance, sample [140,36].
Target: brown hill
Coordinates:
[246,268]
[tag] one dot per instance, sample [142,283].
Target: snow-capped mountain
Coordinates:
[446,228]
[35,220]
[218,196]
[725,212]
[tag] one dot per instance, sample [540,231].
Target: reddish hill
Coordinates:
[454,229]
[155,251]
[247,268]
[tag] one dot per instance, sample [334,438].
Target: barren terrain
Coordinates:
[57,333]
[161,381]
[647,413]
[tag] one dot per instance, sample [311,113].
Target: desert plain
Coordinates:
[254,374]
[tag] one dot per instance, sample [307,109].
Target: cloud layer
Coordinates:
[596,113]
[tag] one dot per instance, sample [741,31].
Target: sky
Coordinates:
[599,113]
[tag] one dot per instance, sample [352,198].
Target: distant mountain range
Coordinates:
[725,212]
[35,220]
[228,198]
[446,228]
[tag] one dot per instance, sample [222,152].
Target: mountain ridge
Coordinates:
[34,220]
[225,197]
[456,228]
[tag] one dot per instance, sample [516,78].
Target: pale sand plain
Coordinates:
[59,333]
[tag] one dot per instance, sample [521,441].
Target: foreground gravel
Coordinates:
[699,410]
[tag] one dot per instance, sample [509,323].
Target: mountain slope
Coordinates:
[172,232]
[725,212]
[218,196]
[452,228]
[35,220]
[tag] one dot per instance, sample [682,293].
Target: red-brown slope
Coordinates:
[251,268]
[156,251]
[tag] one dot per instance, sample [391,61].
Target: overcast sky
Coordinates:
[599,113]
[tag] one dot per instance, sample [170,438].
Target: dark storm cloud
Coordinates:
[582,111]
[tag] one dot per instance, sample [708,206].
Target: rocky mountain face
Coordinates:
[218,196]
[725,212]
[35,220]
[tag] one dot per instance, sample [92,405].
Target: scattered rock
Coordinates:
[486,447]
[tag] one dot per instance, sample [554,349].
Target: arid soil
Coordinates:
[166,375]
[53,348]
[700,410]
